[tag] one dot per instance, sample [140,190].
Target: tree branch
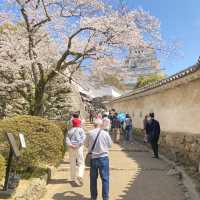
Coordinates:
[38,25]
[30,49]
[59,66]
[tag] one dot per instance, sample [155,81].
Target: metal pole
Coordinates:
[8,168]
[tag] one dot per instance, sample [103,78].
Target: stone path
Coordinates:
[134,175]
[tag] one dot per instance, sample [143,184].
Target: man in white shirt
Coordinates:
[100,160]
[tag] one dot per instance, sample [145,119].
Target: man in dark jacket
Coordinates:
[153,132]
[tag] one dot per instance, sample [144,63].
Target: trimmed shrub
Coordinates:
[2,167]
[62,125]
[43,138]
[138,131]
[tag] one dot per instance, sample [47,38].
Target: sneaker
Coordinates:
[157,157]
[80,180]
[74,184]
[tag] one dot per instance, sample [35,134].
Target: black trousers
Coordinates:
[154,145]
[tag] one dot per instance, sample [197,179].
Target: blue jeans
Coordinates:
[129,132]
[101,166]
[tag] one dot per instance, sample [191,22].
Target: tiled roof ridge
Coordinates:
[162,82]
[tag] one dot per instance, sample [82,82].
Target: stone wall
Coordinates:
[76,102]
[177,107]
[33,189]
[184,148]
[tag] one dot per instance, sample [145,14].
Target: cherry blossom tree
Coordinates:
[42,39]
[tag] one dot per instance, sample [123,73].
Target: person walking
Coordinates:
[75,115]
[106,122]
[116,128]
[145,121]
[100,161]
[128,128]
[75,140]
[91,115]
[111,117]
[99,115]
[153,132]
[122,117]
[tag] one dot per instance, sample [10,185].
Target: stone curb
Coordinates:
[191,193]
[36,187]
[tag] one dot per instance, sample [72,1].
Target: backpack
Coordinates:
[128,122]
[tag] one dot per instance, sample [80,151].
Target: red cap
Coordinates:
[76,122]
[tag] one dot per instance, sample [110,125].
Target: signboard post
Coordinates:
[8,169]
[13,151]
[11,182]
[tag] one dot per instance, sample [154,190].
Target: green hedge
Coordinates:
[2,167]
[62,125]
[43,138]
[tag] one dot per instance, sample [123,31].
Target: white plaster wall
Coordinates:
[177,109]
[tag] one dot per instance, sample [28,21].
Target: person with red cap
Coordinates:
[75,140]
[76,115]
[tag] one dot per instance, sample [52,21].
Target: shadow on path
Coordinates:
[62,181]
[58,181]
[70,195]
[64,162]
[135,175]
[151,180]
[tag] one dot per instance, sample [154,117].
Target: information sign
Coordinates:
[22,140]
[13,144]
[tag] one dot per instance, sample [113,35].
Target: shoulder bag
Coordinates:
[89,154]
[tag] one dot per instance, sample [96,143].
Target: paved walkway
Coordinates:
[135,175]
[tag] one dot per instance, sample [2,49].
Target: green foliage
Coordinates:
[36,172]
[2,167]
[62,125]
[112,80]
[137,131]
[43,138]
[7,26]
[146,80]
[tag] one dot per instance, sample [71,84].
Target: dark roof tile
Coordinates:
[156,84]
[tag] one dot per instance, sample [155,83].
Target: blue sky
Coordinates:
[180,20]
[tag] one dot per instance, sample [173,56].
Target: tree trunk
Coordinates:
[37,106]
[2,109]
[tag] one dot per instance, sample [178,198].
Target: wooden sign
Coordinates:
[22,140]
[13,144]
